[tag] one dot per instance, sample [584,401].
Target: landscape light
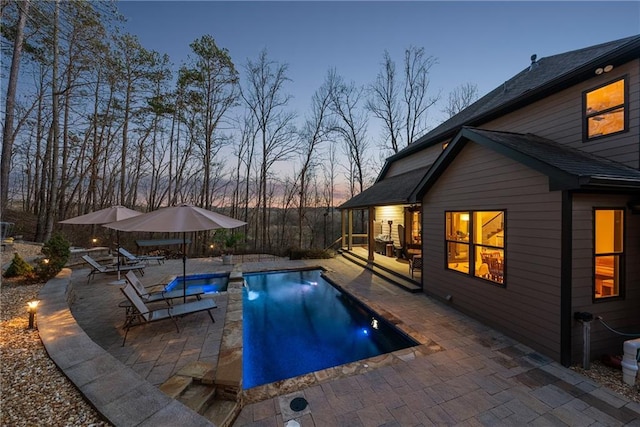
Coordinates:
[32,308]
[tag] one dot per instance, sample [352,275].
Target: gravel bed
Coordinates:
[34,391]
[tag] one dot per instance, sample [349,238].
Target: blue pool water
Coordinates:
[213,282]
[296,322]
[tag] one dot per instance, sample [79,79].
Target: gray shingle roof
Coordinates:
[390,191]
[567,168]
[551,74]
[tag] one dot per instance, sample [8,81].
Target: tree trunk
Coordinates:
[7,136]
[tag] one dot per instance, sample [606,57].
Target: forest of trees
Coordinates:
[93,119]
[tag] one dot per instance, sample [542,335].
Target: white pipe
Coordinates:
[630,361]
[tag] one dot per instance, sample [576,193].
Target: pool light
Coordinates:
[374,323]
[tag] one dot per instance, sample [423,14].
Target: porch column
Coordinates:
[350,229]
[370,233]
[343,225]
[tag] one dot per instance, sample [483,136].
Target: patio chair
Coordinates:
[106,269]
[415,263]
[167,296]
[134,259]
[140,314]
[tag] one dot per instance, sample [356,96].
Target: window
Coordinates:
[608,252]
[475,243]
[605,110]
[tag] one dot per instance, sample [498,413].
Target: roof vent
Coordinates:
[534,64]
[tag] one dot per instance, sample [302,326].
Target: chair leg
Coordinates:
[126,331]
[211,316]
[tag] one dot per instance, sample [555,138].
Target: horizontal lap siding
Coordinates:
[559,118]
[421,159]
[528,308]
[623,314]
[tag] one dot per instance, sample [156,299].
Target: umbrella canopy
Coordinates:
[103,216]
[177,219]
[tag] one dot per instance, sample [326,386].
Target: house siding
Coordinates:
[421,159]
[383,214]
[528,307]
[620,314]
[559,118]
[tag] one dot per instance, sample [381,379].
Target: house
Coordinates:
[526,205]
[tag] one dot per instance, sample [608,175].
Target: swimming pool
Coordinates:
[296,322]
[210,282]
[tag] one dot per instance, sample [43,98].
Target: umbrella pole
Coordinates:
[118,253]
[184,267]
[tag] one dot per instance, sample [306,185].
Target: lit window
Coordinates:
[604,110]
[608,252]
[483,255]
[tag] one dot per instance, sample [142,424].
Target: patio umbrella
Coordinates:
[105,216]
[177,219]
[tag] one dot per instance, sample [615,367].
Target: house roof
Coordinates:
[391,191]
[566,167]
[547,76]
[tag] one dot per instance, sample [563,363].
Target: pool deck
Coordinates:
[468,374]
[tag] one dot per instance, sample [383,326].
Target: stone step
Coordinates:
[176,385]
[199,371]
[222,413]
[198,396]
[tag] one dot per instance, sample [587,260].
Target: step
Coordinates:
[176,385]
[201,371]
[391,277]
[198,396]
[222,413]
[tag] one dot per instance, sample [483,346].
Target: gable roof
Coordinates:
[550,75]
[391,191]
[566,167]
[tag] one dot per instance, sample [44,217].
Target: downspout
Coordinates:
[566,276]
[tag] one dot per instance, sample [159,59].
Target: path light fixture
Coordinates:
[94,241]
[32,308]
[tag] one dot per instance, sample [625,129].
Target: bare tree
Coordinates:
[460,98]
[264,96]
[7,132]
[416,87]
[402,104]
[351,127]
[384,102]
[315,130]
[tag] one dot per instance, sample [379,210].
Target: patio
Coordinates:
[473,375]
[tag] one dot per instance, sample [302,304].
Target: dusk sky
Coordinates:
[484,43]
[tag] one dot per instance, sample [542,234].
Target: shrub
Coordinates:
[19,268]
[56,251]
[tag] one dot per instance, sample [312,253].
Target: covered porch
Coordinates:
[386,240]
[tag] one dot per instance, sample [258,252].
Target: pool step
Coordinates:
[194,386]
[388,275]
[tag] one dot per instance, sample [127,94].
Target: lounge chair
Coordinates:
[140,314]
[99,268]
[147,297]
[134,259]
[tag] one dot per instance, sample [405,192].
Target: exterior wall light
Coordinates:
[606,69]
[94,241]
[32,308]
